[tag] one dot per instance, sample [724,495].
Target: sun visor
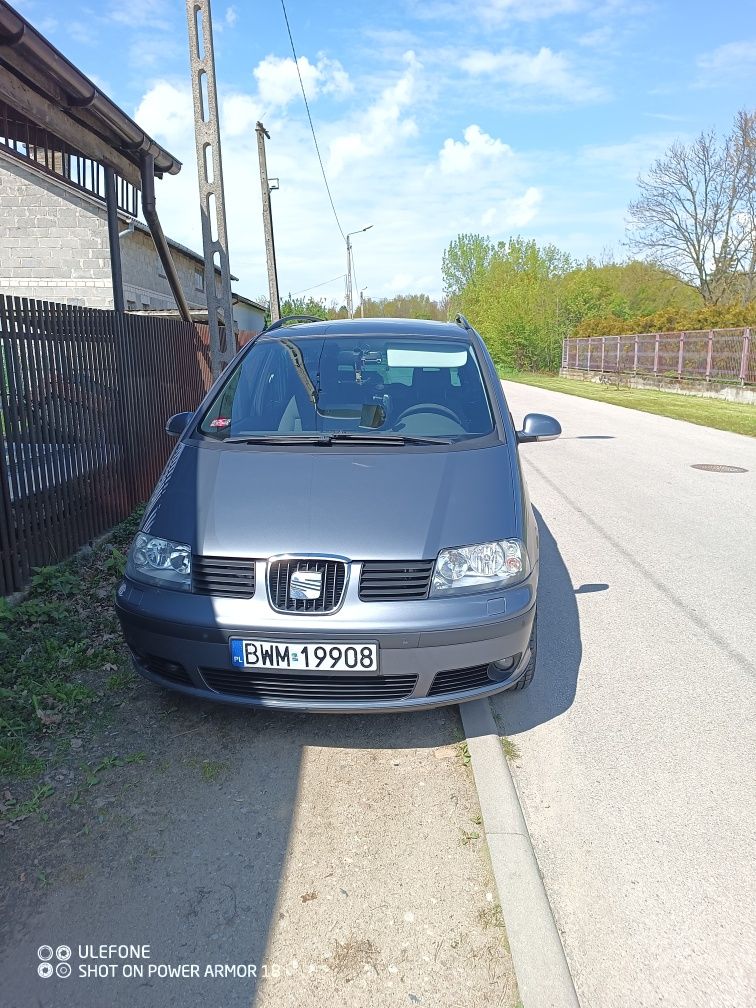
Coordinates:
[401,357]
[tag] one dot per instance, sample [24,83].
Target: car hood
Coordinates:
[362,504]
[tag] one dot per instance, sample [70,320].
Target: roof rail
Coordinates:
[280,323]
[462,321]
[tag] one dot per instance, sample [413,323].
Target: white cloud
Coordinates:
[230,16]
[147,14]
[477,149]
[278,80]
[417,203]
[599,38]
[382,124]
[526,10]
[513,213]
[727,63]
[627,160]
[82,32]
[166,111]
[240,113]
[496,11]
[545,71]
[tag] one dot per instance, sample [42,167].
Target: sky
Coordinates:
[434,118]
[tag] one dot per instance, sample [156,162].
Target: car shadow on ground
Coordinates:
[560,648]
[184,843]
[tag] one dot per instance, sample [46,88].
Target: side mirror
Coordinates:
[178,424]
[538,427]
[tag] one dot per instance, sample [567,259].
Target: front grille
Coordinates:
[333,574]
[395,580]
[169,670]
[272,685]
[226,576]
[459,680]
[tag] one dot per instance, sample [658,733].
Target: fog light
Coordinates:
[500,670]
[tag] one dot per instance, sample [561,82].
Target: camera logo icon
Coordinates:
[46,969]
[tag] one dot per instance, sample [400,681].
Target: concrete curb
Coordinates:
[543,976]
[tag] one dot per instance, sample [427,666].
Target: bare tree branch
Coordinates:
[696,212]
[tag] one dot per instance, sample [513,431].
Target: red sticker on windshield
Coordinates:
[220,422]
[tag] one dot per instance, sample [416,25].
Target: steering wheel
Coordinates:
[428,408]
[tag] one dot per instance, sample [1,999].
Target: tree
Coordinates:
[696,213]
[419,306]
[466,258]
[515,303]
[303,306]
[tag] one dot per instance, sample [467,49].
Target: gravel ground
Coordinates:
[338,856]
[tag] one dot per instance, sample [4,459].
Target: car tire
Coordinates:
[527,677]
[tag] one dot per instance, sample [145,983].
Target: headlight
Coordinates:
[160,562]
[480,568]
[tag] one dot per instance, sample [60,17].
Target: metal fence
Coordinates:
[722,355]
[84,396]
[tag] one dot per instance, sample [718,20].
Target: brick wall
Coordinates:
[143,284]
[54,247]
[53,239]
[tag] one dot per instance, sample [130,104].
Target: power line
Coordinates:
[312,128]
[332,280]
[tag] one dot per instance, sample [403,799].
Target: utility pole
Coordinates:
[349,305]
[210,173]
[349,276]
[270,247]
[362,302]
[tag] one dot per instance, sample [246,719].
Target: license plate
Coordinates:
[318,656]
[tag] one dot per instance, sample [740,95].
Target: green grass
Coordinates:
[740,418]
[60,651]
[510,748]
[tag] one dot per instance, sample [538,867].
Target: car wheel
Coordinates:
[527,678]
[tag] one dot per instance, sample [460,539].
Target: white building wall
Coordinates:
[53,239]
[145,286]
[54,247]
[248,318]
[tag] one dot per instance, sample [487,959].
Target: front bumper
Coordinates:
[432,652]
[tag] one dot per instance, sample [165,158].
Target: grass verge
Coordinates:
[740,418]
[61,659]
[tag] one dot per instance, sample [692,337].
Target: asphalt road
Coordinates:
[637,740]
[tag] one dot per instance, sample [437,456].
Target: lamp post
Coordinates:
[350,312]
[362,302]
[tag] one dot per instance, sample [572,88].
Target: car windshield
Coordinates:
[352,387]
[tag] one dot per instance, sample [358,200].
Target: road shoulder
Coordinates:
[543,976]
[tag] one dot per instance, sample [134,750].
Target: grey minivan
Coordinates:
[342,526]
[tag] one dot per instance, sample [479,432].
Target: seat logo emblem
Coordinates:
[305,584]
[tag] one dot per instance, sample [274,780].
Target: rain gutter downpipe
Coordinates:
[156,230]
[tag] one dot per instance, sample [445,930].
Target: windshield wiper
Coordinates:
[288,439]
[391,439]
[336,437]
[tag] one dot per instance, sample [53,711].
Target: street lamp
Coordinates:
[349,269]
[362,302]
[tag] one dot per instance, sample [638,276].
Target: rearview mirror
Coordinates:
[372,415]
[178,424]
[538,427]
